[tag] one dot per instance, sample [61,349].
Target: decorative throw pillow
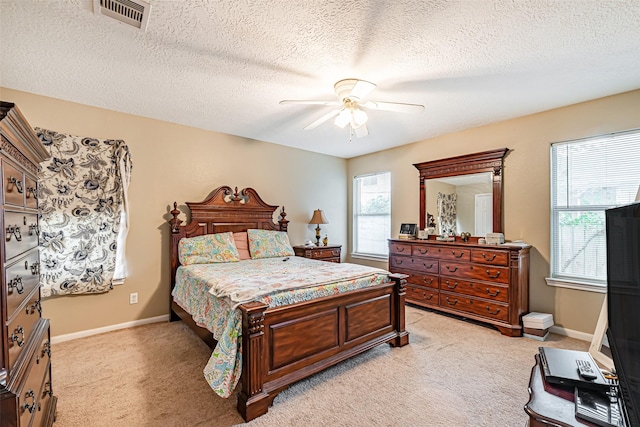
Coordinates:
[269,244]
[208,248]
[242,244]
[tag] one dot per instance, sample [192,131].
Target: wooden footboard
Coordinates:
[286,344]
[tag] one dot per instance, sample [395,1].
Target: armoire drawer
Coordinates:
[21,278]
[13,185]
[21,233]
[19,329]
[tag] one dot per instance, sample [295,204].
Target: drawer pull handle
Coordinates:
[487,258]
[450,302]
[14,230]
[428,267]
[493,312]
[34,307]
[427,282]
[17,284]
[17,183]
[452,270]
[32,228]
[398,261]
[455,285]
[48,390]
[15,338]
[25,405]
[424,296]
[399,249]
[423,251]
[33,191]
[457,256]
[493,277]
[35,268]
[46,348]
[493,294]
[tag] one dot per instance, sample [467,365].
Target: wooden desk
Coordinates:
[549,405]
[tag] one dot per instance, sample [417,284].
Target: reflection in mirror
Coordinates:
[461,203]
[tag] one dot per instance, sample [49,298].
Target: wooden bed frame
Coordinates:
[283,345]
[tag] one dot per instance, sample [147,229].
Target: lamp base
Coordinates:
[318,235]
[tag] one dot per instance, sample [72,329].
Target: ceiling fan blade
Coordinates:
[361,89]
[397,107]
[309,102]
[361,131]
[322,119]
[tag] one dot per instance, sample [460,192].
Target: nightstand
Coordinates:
[330,253]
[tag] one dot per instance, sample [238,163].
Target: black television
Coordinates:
[623,302]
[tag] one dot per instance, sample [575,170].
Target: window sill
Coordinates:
[370,257]
[580,286]
[117,282]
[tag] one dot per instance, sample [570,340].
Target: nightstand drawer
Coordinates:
[329,253]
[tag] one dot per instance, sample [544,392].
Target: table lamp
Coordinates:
[318,218]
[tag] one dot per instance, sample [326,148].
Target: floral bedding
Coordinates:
[211,293]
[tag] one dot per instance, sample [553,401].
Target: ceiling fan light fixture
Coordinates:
[358,118]
[343,118]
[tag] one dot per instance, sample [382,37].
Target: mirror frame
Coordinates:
[485,161]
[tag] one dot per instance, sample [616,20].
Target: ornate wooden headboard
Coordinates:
[224,210]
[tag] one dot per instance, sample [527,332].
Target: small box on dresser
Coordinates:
[26,393]
[487,283]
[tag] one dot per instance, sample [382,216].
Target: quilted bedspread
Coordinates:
[211,293]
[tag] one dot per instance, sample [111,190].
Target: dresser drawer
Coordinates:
[476,289]
[422,279]
[489,256]
[425,265]
[30,192]
[396,248]
[13,187]
[479,307]
[475,271]
[421,295]
[19,329]
[454,253]
[45,401]
[21,233]
[21,278]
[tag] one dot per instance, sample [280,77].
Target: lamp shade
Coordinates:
[318,217]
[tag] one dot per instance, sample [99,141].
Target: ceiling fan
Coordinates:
[351,106]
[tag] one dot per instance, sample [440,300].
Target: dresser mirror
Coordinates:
[462,194]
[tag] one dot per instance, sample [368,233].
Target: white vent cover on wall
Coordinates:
[132,12]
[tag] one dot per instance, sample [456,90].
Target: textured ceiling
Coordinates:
[224,65]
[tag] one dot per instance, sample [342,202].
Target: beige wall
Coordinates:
[179,163]
[526,185]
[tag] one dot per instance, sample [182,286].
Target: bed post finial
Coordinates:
[283,221]
[175,222]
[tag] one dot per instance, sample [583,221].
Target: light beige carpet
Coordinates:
[453,373]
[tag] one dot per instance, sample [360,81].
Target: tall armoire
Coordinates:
[26,393]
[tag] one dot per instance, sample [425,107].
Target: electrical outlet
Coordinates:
[133,298]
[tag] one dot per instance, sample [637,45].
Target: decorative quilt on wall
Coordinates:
[447,213]
[83,208]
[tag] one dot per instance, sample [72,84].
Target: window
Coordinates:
[587,177]
[372,214]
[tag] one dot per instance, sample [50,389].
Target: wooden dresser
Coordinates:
[487,283]
[329,253]
[26,394]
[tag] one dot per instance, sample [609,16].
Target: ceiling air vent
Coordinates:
[132,12]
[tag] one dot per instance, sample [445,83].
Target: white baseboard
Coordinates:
[90,332]
[583,336]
